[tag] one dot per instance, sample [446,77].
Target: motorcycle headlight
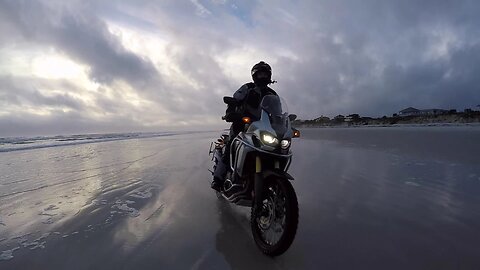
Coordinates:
[269,139]
[285,144]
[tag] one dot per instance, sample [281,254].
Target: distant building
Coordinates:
[322,119]
[339,118]
[472,109]
[434,111]
[410,111]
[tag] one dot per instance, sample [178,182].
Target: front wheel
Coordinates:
[274,225]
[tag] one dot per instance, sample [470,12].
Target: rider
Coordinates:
[248,98]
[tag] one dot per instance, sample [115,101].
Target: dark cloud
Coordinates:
[82,36]
[23,91]
[378,57]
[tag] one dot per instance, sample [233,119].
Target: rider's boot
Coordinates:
[221,170]
[217,184]
[219,175]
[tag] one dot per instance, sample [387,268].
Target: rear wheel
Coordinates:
[274,225]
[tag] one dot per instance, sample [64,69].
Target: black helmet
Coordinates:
[262,73]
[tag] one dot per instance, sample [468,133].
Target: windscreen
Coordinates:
[277,110]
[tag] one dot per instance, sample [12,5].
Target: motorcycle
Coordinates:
[260,156]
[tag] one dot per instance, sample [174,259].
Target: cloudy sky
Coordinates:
[116,66]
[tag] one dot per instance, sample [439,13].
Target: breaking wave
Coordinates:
[26,143]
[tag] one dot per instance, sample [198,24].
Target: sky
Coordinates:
[89,66]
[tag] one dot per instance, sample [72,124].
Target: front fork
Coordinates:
[258,182]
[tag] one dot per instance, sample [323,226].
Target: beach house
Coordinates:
[410,111]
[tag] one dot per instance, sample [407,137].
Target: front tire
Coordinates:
[275,225]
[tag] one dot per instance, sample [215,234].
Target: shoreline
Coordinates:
[473,124]
[354,120]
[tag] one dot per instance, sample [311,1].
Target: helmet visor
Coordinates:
[259,68]
[261,74]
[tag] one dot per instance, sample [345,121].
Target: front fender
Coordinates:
[260,179]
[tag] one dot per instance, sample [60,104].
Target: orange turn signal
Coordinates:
[296,134]
[246,120]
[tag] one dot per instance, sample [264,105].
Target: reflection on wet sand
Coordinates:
[234,240]
[147,204]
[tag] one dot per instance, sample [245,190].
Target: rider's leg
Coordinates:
[223,163]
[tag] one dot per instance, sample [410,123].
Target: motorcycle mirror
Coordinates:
[292,117]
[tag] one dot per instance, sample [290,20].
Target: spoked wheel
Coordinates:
[275,224]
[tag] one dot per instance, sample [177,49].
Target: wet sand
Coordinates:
[369,198]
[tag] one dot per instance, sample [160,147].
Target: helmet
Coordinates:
[262,73]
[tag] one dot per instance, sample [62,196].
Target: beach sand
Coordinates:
[389,198]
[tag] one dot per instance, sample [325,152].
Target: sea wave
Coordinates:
[27,143]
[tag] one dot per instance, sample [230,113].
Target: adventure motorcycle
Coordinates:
[259,160]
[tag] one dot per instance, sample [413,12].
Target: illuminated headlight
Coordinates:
[269,139]
[285,144]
